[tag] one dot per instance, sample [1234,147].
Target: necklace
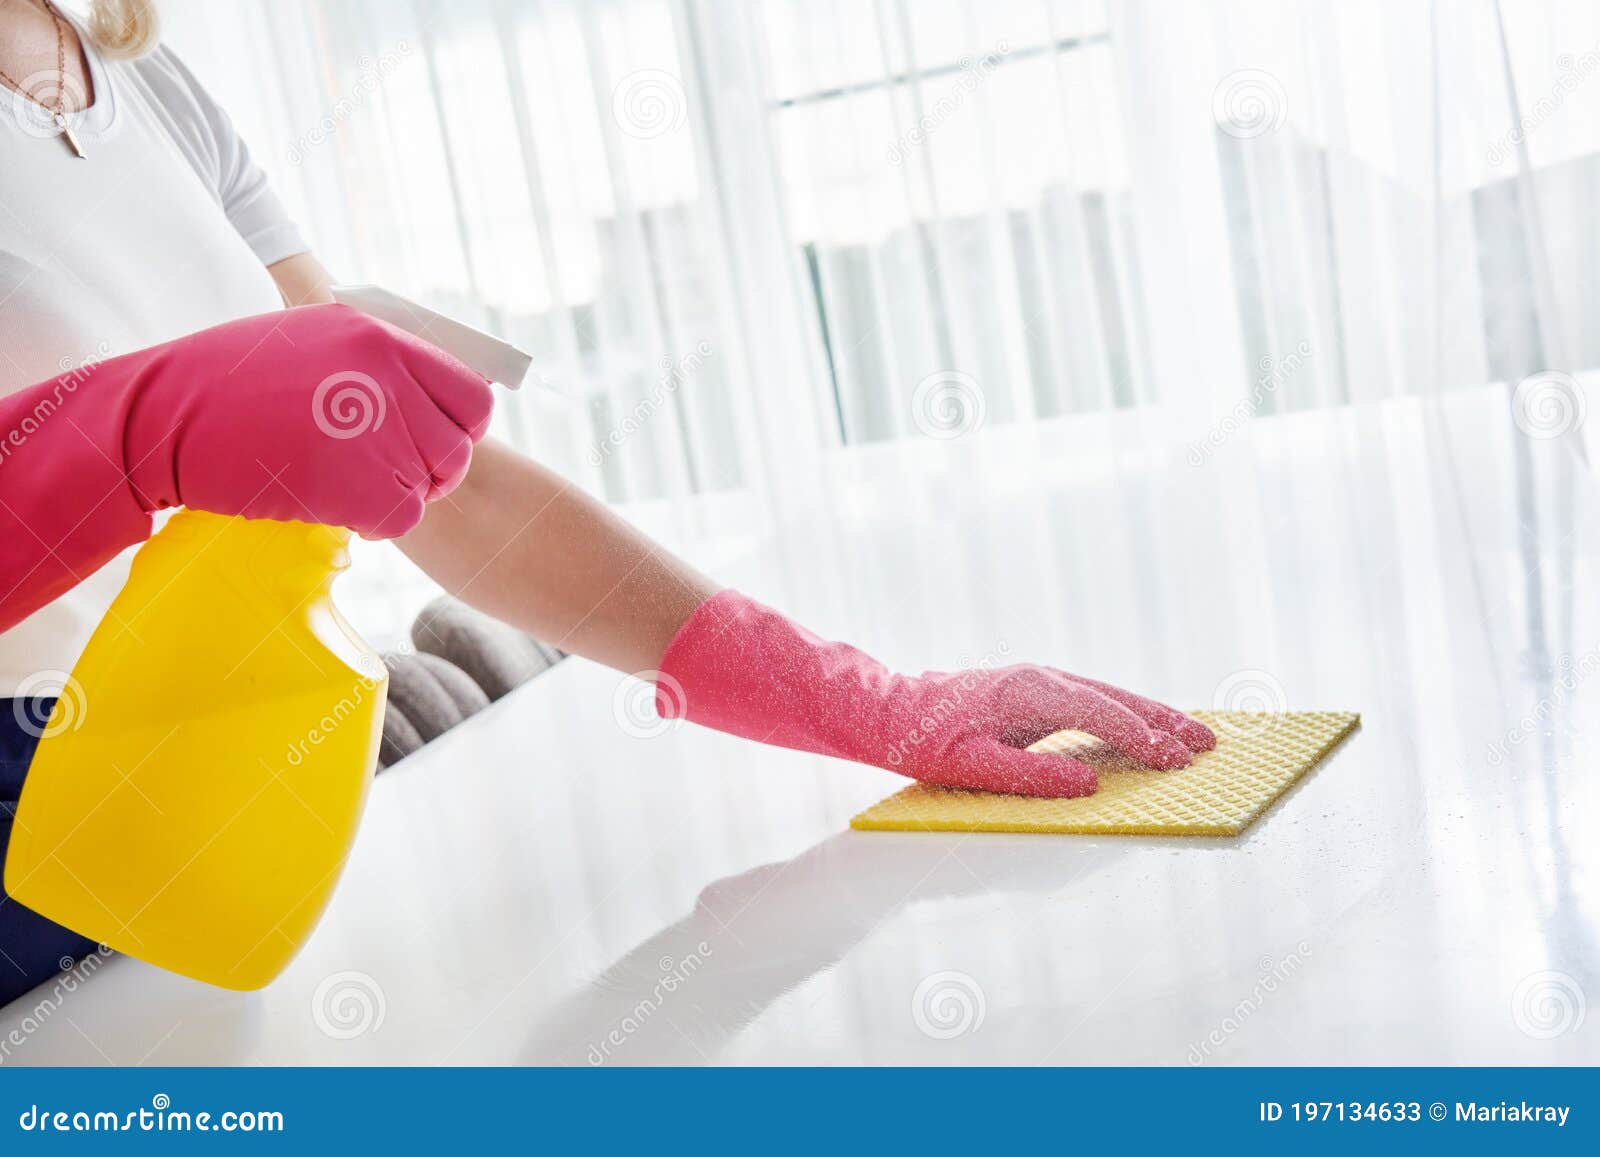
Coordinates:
[58,113]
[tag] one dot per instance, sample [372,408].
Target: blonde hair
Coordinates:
[123,28]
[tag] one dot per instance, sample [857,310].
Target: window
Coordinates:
[956,190]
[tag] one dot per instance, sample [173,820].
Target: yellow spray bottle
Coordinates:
[195,796]
[194,799]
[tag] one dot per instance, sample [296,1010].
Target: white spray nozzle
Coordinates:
[496,360]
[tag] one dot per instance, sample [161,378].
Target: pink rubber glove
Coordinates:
[320,413]
[743,668]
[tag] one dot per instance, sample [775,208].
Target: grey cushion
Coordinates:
[497,657]
[434,695]
[428,697]
[463,660]
[400,738]
[464,693]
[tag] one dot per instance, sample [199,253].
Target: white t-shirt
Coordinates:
[165,228]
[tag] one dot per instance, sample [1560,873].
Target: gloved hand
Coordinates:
[320,414]
[741,667]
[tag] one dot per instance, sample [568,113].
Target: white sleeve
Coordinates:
[203,132]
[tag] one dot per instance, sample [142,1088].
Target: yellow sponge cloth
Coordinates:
[1257,757]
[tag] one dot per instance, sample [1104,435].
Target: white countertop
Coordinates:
[535,880]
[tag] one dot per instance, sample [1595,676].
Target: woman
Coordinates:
[150,363]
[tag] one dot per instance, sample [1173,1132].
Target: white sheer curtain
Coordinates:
[750,240]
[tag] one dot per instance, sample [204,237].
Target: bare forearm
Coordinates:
[523,544]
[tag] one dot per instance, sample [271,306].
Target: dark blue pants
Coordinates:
[32,949]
